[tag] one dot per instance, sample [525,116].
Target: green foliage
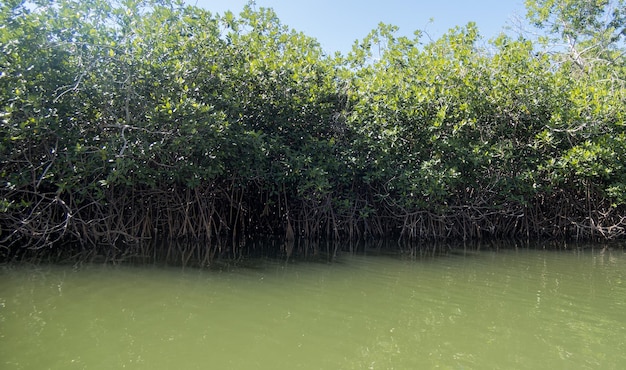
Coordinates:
[99,99]
[592,31]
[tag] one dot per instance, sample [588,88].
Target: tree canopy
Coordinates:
[139,120]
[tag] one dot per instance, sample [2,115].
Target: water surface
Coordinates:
[517,308]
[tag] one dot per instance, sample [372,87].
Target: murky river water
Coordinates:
[506,309]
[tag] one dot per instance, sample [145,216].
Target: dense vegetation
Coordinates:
[140,120]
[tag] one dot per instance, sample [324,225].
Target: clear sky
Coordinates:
[336,24]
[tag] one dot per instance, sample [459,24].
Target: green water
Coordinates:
[510,309]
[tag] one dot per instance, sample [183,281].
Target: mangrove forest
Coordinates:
[127,122]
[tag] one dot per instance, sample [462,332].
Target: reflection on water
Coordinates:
[512,308]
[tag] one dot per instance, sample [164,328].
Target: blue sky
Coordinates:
[337,23]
